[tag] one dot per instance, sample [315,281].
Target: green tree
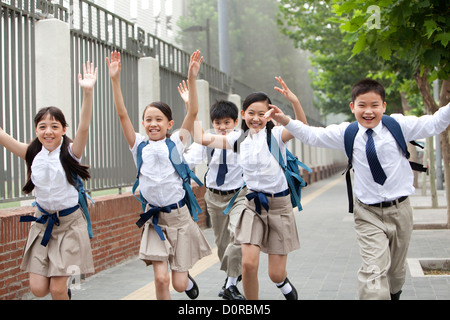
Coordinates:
[258,51]
[313,26]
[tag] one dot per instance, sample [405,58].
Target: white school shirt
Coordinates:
[197,153]
[159,183]
[400,177]
[52,190]
[261,169]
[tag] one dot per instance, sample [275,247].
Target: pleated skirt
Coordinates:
[185,243]
[275,232]
[67,253]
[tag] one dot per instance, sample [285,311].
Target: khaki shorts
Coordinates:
[185,243]
[275,232]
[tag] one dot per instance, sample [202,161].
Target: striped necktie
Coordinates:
[375,167]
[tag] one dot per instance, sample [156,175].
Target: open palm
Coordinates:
[89,78]
[195,63]
[114,65]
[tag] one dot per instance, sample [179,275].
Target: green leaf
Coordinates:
[444,38]
[360,44]
[384,51]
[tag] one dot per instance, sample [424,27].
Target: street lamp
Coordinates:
[201,29]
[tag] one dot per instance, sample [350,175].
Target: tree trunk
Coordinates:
[444,99]
[432,107]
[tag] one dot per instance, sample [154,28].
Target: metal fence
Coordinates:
[95,32]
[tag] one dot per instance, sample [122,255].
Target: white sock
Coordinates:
[190,285]
[231,281]
[286,288]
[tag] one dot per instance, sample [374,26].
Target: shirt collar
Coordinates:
[376,129]
[56,151]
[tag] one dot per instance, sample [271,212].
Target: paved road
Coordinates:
[324,268]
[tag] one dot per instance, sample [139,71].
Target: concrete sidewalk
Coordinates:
[324,268]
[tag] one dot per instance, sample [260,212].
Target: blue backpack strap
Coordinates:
[232,200]
[349,139]
[396,131]
[82,201]
[140,147]
[186,174]
[290,173]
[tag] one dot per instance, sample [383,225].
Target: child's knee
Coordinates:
[58,288]
[162,280]
[39,291]
[277,276]
[39,286]
[249,266]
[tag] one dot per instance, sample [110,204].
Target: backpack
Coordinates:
[183,170]
[82,202]
[394,128]
[290,169]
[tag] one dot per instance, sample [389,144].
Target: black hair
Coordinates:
[222,109]
[252,98]
[70,165]
[368,85]
[164,108]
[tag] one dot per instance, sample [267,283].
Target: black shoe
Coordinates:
[223,287]
[69,293]
[232,293]
[193,293]
[291,295]
[225,283]
[396,296]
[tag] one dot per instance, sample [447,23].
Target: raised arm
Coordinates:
[296,105]
[87,83]
[14,146]
[115,67]
[187,127]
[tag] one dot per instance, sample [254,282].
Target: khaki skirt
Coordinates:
[67,253]
[275,232]
[185,243]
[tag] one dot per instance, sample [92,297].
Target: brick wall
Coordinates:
[116,238]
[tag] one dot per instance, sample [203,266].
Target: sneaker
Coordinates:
[232,293]
[193,293]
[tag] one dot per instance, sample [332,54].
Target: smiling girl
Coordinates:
[267,222]
[162,187]
[58,239]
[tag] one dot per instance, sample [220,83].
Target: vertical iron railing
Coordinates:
[17,88]
[95,33]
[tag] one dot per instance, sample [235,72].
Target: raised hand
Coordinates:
[114,65]
[183,91]
[276,114]
[285,91]
[194,65]
[89,78]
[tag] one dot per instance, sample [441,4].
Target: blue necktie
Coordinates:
[375,167]
[223,169]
